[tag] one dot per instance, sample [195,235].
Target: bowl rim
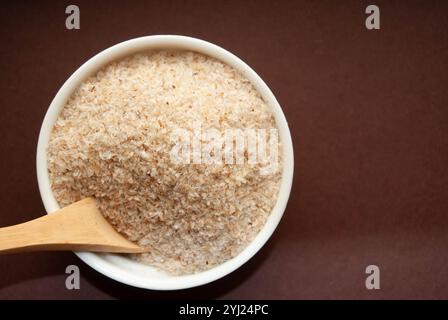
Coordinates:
[123,269]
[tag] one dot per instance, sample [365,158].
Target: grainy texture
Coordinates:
[113,141]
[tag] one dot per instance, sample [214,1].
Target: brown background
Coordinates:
[368,114]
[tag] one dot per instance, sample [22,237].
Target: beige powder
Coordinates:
[112,141]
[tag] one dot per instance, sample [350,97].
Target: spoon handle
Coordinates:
[78,227]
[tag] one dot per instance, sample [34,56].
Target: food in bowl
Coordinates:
[113,141]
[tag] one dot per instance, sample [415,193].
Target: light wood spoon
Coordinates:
[78,227]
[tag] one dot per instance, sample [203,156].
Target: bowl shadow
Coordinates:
[214,290]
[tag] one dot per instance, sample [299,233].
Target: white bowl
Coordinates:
[121,268]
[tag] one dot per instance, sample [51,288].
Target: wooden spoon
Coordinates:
[78,227]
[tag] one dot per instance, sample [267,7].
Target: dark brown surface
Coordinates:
[368,112]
